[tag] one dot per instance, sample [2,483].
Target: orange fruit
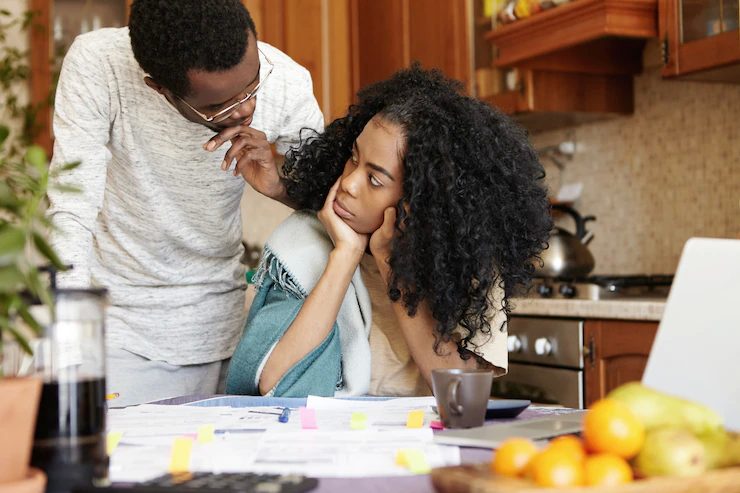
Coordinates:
[609,426]
[569,444]
[606,470]
[552,468]
[512,457]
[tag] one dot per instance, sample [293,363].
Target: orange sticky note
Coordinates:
[415,419]
[182,448]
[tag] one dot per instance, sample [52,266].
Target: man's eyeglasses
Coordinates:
[224,113]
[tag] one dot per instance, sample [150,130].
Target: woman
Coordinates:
[446,195]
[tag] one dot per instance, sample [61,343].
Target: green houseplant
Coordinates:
[24,180]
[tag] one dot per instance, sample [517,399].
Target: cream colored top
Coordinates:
[393,371]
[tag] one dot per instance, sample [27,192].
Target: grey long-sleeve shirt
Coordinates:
[158,223]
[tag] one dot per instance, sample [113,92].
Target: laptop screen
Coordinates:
[696,353]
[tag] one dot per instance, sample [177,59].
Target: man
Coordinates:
[169,117]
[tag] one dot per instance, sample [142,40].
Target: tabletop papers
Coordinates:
[153,438]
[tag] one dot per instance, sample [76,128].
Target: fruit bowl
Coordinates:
[478,478]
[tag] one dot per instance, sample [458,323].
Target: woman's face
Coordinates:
[372,179]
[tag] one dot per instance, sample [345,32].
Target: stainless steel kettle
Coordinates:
[567,255]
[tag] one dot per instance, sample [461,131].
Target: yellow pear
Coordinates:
[721,448]
[656,409]
[671,452]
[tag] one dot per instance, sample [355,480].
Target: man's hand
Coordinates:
[254,159]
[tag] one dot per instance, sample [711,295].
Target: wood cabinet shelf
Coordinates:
[572,24]
[546,100]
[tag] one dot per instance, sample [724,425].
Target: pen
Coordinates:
[285,415]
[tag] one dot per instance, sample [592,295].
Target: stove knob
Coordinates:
[567,291]
[514,344]
[544,290]
[542,346]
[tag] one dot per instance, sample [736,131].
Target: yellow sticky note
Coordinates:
[412,459]
[415,419]
[206,433]
[182,448]
[112,440]
[417,462]
[358,421]
[401,458]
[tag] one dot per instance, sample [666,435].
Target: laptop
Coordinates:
[561,422]
[696,353]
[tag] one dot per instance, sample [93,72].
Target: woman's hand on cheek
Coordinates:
[380,241]
[343,236]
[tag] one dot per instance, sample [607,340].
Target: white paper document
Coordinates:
[251,439]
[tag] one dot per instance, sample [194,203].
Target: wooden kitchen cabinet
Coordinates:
[544,100]
[700,39]
[316,34]
[387,35]
[573,63]
[56,24]
[617,352]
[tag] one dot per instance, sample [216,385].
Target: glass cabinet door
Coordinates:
[70,18]
[58,23]
[704,18]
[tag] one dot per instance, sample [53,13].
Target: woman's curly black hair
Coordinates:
[474,212]
[169,38]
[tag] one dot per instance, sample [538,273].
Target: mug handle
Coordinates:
[452,388]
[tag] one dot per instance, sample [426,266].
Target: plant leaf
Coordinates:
[33,281]
[69,166]
[45,249]
[6,325]
[20,339]
[12,241]
[36,156]
[29,319]
[10,278]
[66,188]
[4,132]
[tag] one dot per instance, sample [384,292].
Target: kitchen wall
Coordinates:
[654,179]
[669,172]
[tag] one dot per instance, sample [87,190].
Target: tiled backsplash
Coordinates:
[654,179]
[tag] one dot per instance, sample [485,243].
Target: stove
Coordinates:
[547,355]
[602,287]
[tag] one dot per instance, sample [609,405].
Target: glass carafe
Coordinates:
[69,444]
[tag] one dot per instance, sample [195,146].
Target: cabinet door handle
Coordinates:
[590,351]
[664,51]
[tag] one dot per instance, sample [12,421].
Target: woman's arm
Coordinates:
[419,337]
[319,312]
[416,330]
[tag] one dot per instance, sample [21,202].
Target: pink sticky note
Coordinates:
[436,425]
[308,418]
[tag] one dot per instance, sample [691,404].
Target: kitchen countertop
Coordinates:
[625,309]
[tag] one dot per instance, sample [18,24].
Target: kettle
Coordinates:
[567,255]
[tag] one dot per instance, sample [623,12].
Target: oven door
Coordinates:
[541,384]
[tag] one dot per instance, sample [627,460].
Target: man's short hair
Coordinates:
[169,38]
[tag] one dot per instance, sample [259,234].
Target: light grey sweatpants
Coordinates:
[137,380]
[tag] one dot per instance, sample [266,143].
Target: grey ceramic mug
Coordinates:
[462,396]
